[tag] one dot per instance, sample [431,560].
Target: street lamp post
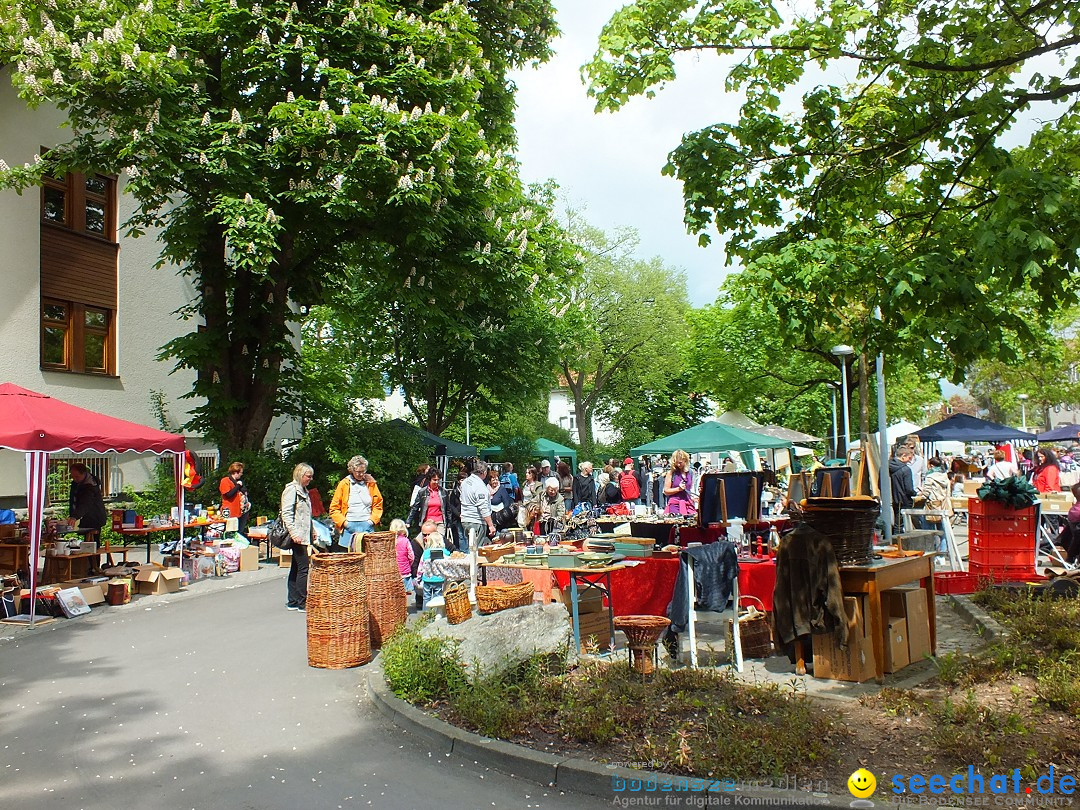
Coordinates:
[843,351]
[1023,410]
[468,433]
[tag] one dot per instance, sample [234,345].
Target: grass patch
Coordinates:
[699,722]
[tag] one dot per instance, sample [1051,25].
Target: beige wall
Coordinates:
[148,299]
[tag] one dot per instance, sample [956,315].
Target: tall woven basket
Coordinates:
[337,612]
[848,523]
[387,606]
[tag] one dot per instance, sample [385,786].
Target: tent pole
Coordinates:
[37,481]
[178,473]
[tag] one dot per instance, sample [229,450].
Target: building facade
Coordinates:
[84,311]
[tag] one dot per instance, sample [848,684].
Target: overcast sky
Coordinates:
[608,164]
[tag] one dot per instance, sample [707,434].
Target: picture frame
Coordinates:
[72,602]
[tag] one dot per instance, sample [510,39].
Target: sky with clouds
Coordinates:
[608,164]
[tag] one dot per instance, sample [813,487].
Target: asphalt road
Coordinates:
[208,702]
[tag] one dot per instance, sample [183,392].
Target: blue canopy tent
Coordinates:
[963,428]
[1061,433]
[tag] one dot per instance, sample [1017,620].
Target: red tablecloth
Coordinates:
[644,590]
[758,579]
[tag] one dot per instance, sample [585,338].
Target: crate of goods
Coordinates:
[994,517]
[1002,551]
[968,582]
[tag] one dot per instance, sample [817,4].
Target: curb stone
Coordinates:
[987,626]
[573,774]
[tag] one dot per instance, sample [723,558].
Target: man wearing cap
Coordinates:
[629,485]
[545,469]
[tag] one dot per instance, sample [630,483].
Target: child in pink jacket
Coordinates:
[405,554]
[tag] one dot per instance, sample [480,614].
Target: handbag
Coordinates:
[278,534]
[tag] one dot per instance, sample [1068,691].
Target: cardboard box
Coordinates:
[909,601]
[595,630]
[249,558]
[8,530]
[589,601]
[855,662]
[158,580]
[284,559]
[92,592]
[896,644]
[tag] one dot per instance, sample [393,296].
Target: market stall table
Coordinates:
[880,575]
[14,556]
[146,532]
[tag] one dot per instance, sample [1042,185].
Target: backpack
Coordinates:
[629,487]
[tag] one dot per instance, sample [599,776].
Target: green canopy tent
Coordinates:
[443,447]
[545,448]
[710,437]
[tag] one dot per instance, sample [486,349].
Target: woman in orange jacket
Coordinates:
[357,505]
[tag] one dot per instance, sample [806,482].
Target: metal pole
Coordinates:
[835,428]
[1023,415]
[843,385]
[884,485]
[468,434]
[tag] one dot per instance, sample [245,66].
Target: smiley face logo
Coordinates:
[862,784]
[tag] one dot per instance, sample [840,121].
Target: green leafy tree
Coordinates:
[496,344]
[896,190]
[624,320]
[284,151]
[1046,372]
[640,413]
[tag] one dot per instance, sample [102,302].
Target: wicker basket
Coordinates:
[848,523]
[337,612]
[642,633]
[755,633]
[458,608]
[381,551]
[493,598]
[388,606]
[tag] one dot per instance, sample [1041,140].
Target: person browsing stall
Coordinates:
[429,502]
[476,523]
[86,503]
[234,495]
[357,505]
[584,488]
[1001,468]
[1047,477]
[679,485]
[296,515]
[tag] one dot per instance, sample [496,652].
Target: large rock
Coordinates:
[505,639]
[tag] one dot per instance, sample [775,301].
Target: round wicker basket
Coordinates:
[337,612]
[848,523]
[493,598]
[458,608]
[642,633]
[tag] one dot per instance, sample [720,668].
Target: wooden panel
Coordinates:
[78,268]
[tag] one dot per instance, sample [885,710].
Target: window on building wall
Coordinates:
[79,273]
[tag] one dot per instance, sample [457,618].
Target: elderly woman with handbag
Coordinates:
[296,517]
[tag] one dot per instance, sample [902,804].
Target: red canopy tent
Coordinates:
[37,425]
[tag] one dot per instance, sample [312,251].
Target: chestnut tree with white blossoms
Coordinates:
[288,154]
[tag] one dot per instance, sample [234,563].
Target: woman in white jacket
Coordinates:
[296,515]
